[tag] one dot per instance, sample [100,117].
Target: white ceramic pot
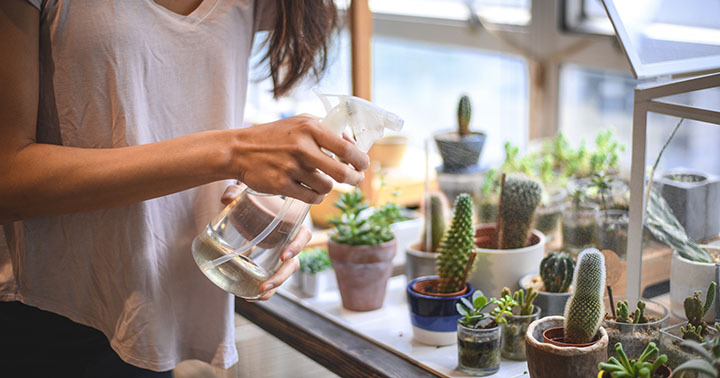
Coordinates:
[406,233]
[686,277]
[498,268]
[419,263]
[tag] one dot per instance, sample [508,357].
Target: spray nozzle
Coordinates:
[366,120]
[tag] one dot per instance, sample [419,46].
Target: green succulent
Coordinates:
[472,311]
[643,367]
[584,310]
[623,313]
[695,311]
[352,228]
[556,272]
[523,298]
[314,260]
[709,362]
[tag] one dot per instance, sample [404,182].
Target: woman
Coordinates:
[117,136]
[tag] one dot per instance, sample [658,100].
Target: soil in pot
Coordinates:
[513,335]
[479,349]
[635,337]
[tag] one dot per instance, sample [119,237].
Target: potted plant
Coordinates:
[708,364]
[641,367]
[695,328]
[489,196]
[308,278]
[578,223]
[573,345]
[479,334]
[516,324]
[611,225]
[694,198]
[553,283]
[432,299]
[460,149]
[361,250]
[420,258]
[510,248]
[635,329]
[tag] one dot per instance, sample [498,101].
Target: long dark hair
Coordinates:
[299,42]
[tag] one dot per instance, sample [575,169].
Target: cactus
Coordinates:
[556,271]
[695,311]
[520,197]
[436,205]
[456,246]
[523,298]
[584,309]
[623,313]
[463,114]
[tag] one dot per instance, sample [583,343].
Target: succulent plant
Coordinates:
[436,205]
[354,229]
[623,313]
[556,272]
[520,197]
[456,247]
[695,311]
[523,298]
[584,309]
[464,114]
[314,260]
[472,311]
[708,364]
[642,367]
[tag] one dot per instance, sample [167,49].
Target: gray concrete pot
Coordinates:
[696,204]
[553,304]
[551,361]
[459,152]
[419,263]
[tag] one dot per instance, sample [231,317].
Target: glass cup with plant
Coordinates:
[578,223]
[516,325]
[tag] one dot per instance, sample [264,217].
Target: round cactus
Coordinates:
[464,113]
[520,197]
[456,246]
[584,310]
[435,202]
[556,271]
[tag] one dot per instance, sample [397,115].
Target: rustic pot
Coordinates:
[362,273]
[434,316]
[549,361]
[499,268]
[552,303]
[459,152]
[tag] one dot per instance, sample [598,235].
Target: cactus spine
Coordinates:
[456,246]
[695,311]
[463,114]
[436,205]
[584,310]
[556,271]
[520,197]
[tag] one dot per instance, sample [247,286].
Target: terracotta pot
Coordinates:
[362,273]
[550,361]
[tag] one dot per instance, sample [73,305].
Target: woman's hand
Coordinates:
[285,157]
[290,262]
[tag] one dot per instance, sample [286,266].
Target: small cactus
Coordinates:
[523,298]
[463,114]
[584,310]
[456,246]
[695,311]
[623,313]
[436,204]
[556,271]
[520,197]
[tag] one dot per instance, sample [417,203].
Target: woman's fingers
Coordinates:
[301,239]
[287,268]
[342,148]
[230,193]
[315,179]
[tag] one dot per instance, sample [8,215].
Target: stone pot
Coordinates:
[549,361]
[498,268]
[419,263]
[695,202]
[553,304]
[459,152]
[362,273]
[686,277]
[434,316]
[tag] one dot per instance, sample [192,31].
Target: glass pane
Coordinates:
[515,12]
[422,83]
[708,99]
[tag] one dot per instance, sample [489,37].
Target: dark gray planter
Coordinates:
[459,153]
[696,204]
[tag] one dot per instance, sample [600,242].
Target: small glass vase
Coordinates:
[478,350]
[548,214]
[611,231]
[513,335]
[671,344]
[578,227]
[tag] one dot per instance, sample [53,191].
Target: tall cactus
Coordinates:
[556,271]
[520,197]
[584,310]
[435,203]
[464,114]
[456,246]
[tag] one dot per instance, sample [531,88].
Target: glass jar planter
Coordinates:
[513,335]
[635,337]
[611,231]
[548,214]
[671,344]
[478,350]
[578,227]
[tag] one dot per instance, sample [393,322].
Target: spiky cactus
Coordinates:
[463,114]
[623,313]
[456,246]
[584,310]
[520,197]
[436,205]
[695,311]
[556,271]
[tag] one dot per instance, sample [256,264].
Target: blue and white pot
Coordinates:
[434,318]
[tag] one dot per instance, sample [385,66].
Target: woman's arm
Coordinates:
[41,179]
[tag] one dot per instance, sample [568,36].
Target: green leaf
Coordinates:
[699,349]
[466,302]
[480,301]
[698,366]
[461,310]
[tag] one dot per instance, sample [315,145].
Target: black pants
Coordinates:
[37,343]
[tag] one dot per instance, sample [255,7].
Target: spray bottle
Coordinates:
[241,247]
